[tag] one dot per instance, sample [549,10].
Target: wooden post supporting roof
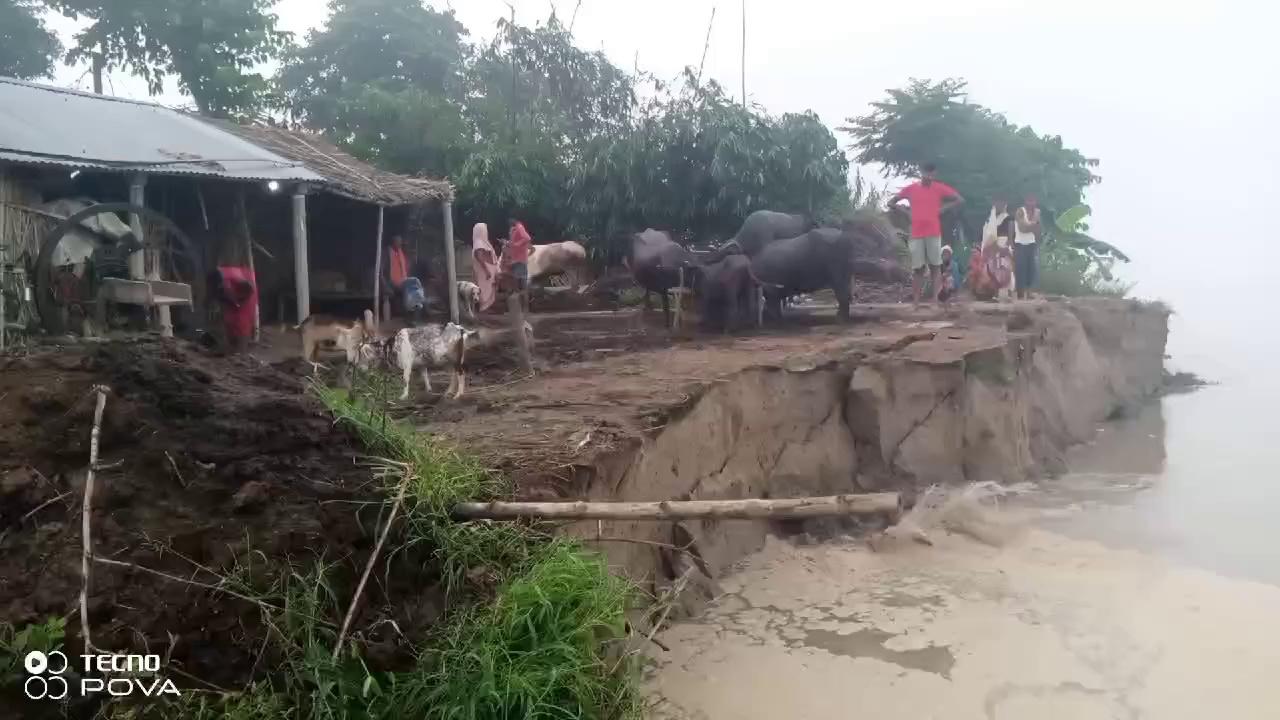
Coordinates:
[248,254]
[301,275]
[4,251]
[450,261]
[137,196]
[138,261]
[377,273]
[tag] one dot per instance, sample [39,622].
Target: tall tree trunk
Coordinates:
[99,63]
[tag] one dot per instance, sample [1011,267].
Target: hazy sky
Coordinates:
[1178,100]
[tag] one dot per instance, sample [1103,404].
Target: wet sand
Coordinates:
[1045,627]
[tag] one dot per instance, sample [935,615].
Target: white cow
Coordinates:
[554,258]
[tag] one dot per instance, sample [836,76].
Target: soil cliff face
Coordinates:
[998,393]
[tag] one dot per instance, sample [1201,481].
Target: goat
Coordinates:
[431,346]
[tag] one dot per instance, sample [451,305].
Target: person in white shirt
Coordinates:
[997,255]
[1026,237]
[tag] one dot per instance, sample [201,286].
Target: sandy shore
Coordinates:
[1044,627]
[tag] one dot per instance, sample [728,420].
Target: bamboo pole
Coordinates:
[86,516]
[706,45]
[749,509]
[744,53]
[377,550]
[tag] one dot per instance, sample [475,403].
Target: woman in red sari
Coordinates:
[237,294]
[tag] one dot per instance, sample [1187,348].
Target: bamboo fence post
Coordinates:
[86,513]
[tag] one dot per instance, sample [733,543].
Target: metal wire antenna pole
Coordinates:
[706,45]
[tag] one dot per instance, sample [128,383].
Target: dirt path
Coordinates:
[1045,627]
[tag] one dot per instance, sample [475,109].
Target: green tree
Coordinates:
[212,47]
[535,126]
[697,162]
[977,151]
[27,47]
[535,85]
[538,104]
[810,171]
[385,79]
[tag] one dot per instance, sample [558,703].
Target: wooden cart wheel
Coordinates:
[46,281]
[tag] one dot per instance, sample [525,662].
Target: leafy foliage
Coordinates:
[15,644]
[977,150]
[533,125]
[1071,232]
[535,85]
[984,156]
[1065,271]
[27,47]
[383,77]
[697,162]
[212,47]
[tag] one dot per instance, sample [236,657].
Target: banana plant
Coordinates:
[1073,232]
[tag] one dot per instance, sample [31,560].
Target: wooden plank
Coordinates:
[886,504]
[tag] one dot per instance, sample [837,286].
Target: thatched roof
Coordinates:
[345,175]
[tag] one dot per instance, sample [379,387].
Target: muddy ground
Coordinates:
[210,467]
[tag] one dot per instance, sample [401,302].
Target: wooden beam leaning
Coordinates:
[887,504]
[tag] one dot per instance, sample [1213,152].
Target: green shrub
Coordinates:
[1065,272]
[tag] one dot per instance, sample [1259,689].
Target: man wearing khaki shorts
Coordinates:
[929,199]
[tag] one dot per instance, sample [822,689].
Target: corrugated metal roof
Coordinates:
[56,126]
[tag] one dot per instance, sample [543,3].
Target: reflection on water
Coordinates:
[1191,477]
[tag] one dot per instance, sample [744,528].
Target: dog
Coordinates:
[346,335]
[469,299]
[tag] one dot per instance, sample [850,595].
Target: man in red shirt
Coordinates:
[929,199]
[516,254]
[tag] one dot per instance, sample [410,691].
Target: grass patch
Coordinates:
[539,648]
[542,637]
[537,651]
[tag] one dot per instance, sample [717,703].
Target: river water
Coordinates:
[1143,584]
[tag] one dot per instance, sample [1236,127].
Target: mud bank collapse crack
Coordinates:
[896,401]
